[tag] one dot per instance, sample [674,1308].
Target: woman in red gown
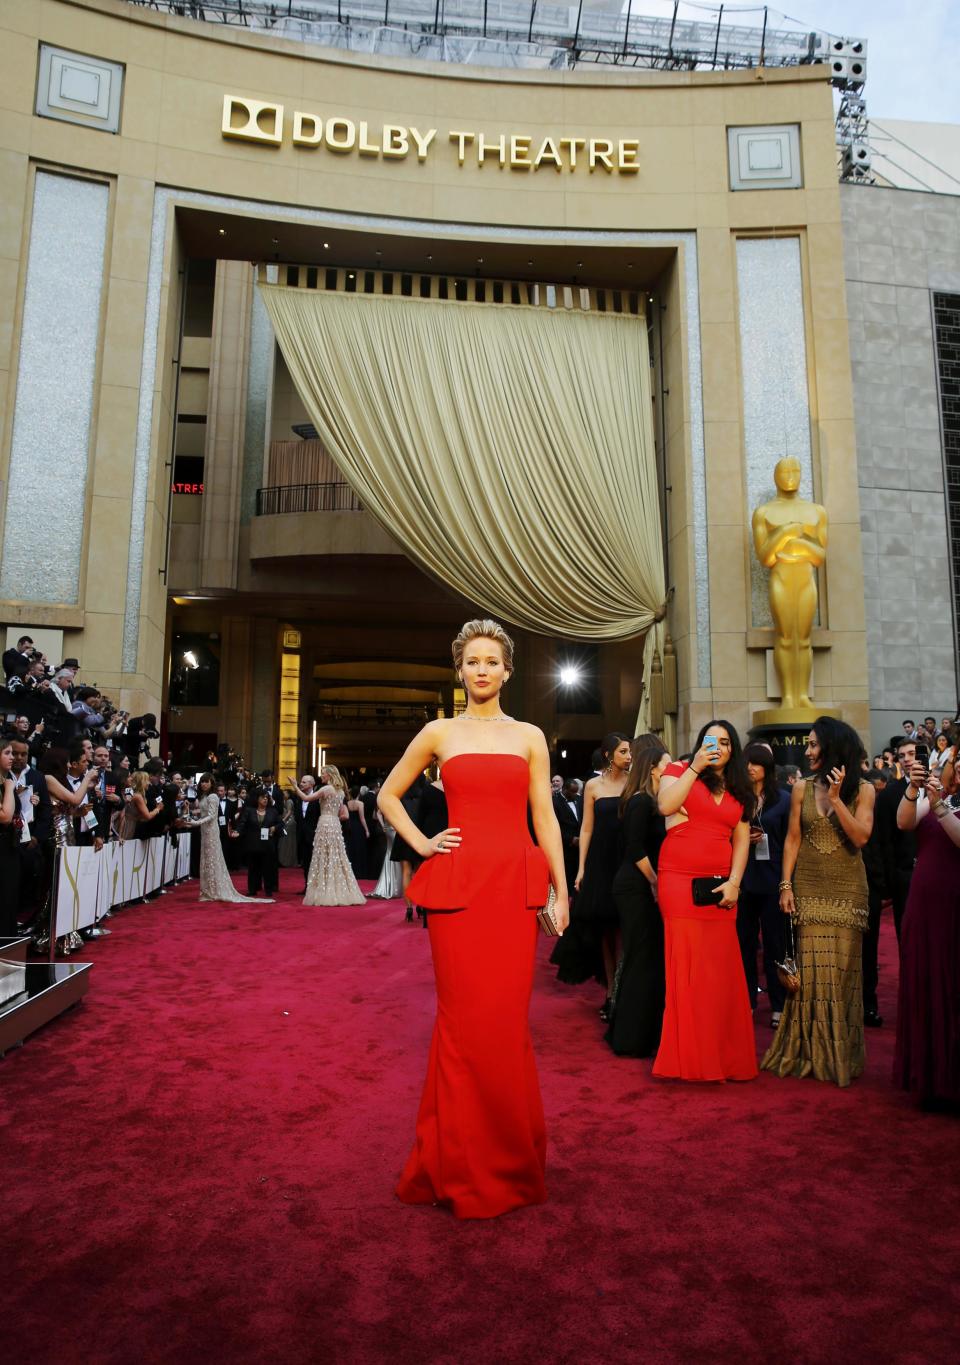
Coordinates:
[480,1143]
[707,1025]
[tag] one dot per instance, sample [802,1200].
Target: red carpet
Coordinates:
[199,1162]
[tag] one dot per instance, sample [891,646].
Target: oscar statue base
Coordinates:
[792,715]
[787,739]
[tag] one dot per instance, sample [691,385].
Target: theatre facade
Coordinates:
[225,258]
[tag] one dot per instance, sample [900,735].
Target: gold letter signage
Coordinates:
[247,120]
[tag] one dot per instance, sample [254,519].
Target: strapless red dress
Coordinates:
[480,1143]
[707,1025]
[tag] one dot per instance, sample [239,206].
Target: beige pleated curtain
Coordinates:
[509,450]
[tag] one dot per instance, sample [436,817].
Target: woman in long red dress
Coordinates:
[707,1025]
[480,1144]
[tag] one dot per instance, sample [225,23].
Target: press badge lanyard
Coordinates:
[761,849]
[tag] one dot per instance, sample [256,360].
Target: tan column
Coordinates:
[236,683]
[223,450]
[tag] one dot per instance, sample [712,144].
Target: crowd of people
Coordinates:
[78,771]
[699,886]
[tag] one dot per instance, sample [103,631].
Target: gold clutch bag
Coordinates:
[546,918]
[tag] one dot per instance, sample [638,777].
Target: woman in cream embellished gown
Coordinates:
[330,880]
[216,884]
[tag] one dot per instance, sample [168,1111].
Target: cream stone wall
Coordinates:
[177,72]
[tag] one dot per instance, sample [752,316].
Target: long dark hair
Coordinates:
[840,747]
[611,743]
[736,779]
[763,758]
[646,752]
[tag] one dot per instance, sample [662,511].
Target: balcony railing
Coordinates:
[307,497]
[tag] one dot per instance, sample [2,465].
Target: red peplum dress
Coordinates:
[480,1143]
[707,1025]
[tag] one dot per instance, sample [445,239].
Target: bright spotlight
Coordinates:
[190,659]
[569,676]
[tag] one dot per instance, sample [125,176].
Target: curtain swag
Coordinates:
[508,450]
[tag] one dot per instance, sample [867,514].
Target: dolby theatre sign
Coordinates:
[249,120]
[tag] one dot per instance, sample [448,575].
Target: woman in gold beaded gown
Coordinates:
[330,880]
[824,888]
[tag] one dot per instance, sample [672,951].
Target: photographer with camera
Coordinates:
[24,653]
[136,736]
[87,708]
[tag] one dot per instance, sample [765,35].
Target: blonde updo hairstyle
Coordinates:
[333,777]
[482,630]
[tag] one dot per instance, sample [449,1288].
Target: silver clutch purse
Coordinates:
[546,918]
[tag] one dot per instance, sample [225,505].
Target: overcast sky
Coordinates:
[912,52]
[913,46]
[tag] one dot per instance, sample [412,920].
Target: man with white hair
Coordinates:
[306,815]
[60,687]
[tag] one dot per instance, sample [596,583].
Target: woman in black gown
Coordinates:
[638,1002]
[589,947]
[356,835]
[401,852]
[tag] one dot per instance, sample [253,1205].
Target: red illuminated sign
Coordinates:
[188,487]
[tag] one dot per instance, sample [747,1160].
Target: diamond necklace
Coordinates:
[486,719]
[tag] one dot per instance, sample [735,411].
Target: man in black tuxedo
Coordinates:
[568,812]
[226,813]
[306,815]
[259,826]
[274,792]
[898,847]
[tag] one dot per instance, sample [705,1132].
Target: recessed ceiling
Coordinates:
[214,235]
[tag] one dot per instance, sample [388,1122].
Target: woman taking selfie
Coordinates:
[824,889]
[707,1025]
[480,1143]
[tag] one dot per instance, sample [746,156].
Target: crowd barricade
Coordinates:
[87,882]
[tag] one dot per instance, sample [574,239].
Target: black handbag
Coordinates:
[705,890]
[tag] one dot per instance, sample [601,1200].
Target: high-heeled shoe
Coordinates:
[606,1009]
[409,916]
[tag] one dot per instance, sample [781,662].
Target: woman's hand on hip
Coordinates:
[447,841]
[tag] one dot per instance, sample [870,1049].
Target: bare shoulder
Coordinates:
[436,729]
[535,738]
[799,787]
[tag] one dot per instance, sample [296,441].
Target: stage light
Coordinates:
[190,659]
[563,753]
[569,676]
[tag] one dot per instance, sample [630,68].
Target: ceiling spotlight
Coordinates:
[326,246]
[222,231]
[350,276]
[190,659]
[569,676]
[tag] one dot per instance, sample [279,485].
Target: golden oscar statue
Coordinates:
[790,538]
